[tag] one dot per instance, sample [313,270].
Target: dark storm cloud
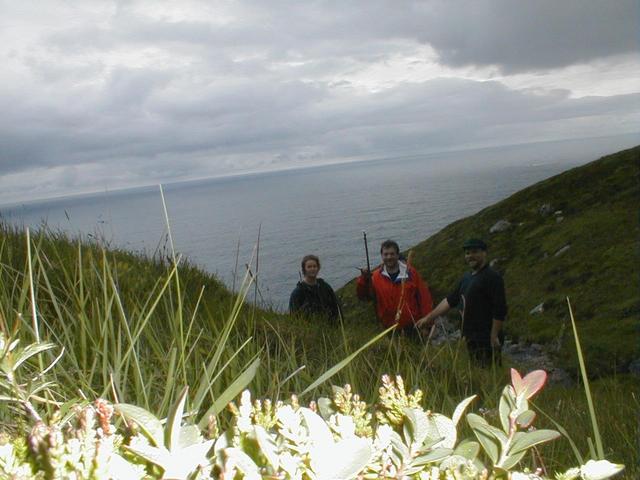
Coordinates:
[135,96]
[140,122]
[525,36]
[511,35]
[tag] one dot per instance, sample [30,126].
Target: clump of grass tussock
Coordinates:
[130,336]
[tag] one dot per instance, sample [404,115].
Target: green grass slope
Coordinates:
[132,329]
[599,271]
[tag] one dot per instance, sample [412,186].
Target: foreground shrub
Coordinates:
[333,438]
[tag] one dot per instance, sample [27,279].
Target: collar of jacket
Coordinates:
[403,274]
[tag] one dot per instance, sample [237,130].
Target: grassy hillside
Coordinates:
[599,271]
[136,330]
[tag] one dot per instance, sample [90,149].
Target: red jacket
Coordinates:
[416,298]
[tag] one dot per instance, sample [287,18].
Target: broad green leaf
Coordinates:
[418,424]
[189,435]
[462,406]
[454,462]
[599,470]
[174,422]
[220,445]
[159,456]
[319,432]
[490,444]
[400,448]
[505,407]
[267,446]
[495,433]
[340,365]
[526,418]
[244,463]
[467,449]
[512,460]
[325,407]
[439,426]
[147,422]
[525,440]
[337,390]
[342,460]
[433,456]
[185,461]
[516,380]
[231,392]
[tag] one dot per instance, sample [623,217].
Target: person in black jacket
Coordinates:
[480,296]
[312,295]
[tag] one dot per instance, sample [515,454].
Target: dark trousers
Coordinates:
[483,353]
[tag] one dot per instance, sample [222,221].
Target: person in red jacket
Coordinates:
[400,294]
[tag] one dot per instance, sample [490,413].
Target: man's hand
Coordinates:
[496,327]
[365,273]
[425,322]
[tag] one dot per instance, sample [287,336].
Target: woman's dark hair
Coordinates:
[389,244]
[306,258]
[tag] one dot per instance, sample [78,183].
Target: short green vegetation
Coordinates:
[137,331]
[592,210]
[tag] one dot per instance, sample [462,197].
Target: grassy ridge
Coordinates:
[599,272]
[134,329]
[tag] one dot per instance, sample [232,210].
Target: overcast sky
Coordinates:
[102,95]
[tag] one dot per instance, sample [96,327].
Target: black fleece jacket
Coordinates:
[318,299]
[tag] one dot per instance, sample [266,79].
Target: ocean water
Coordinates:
[320,210]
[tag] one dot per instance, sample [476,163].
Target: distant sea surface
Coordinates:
[320,210]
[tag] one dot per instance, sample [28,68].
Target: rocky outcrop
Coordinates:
[526,356]
[500,226]
[537,309]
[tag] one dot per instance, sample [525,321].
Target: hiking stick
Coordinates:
[366,250]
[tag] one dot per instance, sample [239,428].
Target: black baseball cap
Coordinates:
[474,243]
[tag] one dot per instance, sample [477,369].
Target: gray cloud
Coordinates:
[513,36]
[128,97]
[525,36]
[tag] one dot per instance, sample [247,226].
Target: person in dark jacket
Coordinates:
[480,296]
[312,295]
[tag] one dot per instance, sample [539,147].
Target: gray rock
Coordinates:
[537,309]
[559,219]
[497,261]
[444,332]
[562,250]
[545,209]
[535,357]
[500,226]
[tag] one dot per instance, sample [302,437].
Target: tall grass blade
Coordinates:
[587,390]
[232,391]
[340,365]
[222,342]
[32,291]
[174,422]
[178,313]
[564,432]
